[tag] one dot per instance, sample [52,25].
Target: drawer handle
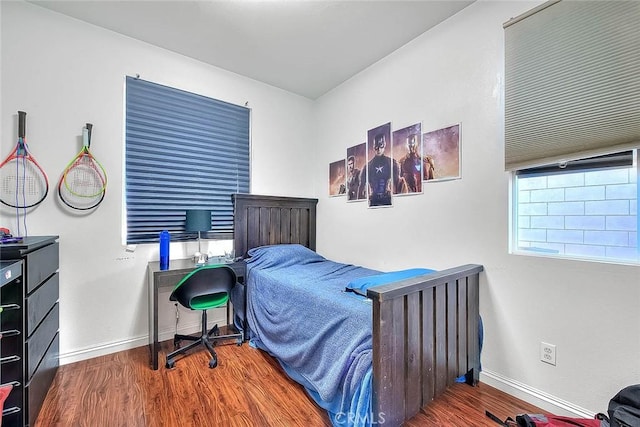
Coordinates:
[9,307]
[9,359]
[9,333]
[13,383]
[9,411]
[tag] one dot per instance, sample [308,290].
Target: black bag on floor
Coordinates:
[624,408]
[548,420]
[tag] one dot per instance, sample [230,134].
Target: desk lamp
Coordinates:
[199,220]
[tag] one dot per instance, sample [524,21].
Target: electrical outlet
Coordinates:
[548,353]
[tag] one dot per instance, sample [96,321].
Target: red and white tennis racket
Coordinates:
[23,183]
[83,183]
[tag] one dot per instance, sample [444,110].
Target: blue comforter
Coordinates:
[309,313]
[298,311]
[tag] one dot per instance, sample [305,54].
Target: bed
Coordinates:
[423,331]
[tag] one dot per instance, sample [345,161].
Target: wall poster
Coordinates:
[407,152]
[337,178]
[381,170]
[441,149]
[356,161]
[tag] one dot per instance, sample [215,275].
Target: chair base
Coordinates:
[207,338]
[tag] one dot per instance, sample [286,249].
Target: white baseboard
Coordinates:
[534,396]
[116,346]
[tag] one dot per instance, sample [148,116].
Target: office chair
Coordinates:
[204,288]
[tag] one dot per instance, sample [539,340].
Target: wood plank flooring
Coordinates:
[248,388]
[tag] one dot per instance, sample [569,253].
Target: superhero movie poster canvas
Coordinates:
[337,178]
[441,149]
[381,171]
[356,161]
[407,152]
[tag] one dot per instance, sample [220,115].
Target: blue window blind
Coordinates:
[182,151]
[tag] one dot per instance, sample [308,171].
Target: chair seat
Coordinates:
[206,302]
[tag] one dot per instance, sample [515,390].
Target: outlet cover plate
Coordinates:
[548,353]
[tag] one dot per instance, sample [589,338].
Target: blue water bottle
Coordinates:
[165,238]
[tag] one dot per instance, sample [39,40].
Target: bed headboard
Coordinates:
[271,220]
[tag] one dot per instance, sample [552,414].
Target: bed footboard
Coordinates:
[425,335]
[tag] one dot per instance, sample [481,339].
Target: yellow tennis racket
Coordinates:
[83,183]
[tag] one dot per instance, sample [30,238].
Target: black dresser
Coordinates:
[30,351]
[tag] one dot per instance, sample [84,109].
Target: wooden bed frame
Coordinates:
[425,329]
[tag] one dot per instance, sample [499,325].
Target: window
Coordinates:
[572,129]
[182,151]
[582,210]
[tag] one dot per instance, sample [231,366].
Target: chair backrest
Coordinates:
[206,281]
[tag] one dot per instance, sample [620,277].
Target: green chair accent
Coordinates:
[204,288]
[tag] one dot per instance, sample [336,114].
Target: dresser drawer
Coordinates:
[37,388]
[40,302]
[38,343]
[11,270]
[12,373]
[41,264]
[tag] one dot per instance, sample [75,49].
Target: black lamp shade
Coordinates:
[198,220]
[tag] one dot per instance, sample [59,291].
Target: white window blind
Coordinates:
[572,82]
[182,151]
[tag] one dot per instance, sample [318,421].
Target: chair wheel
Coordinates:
[213,362]
[176,344]
[170,365]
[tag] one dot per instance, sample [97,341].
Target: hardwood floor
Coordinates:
[248,388]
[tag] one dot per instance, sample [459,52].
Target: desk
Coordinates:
[168,279]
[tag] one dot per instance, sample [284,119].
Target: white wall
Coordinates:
[454,73]
[65,73]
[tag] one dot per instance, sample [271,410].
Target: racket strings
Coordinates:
[20,185]
[84,178]
[23,184]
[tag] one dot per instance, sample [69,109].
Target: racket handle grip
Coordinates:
[89,127]
[85,138]
[22,124]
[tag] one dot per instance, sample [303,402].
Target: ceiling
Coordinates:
[302,46]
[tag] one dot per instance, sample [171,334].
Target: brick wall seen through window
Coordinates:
[591,214]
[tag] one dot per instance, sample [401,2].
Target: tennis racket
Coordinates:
[23,183]
[83,182]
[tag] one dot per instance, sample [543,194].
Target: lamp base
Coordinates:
[200,258]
